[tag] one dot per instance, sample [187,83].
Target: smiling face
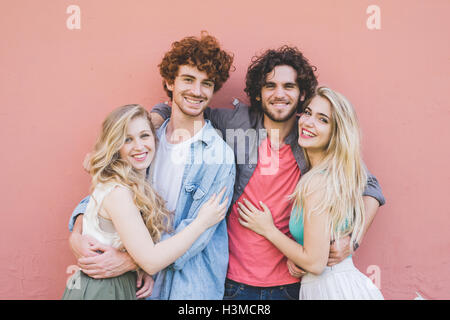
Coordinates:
[315,125]
[192,90]
[139,146]
[280,94]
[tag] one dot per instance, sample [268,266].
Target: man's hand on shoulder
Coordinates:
[157,120]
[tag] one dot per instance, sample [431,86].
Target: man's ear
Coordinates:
[169,86]
[302,97]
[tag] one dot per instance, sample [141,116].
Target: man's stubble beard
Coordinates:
[274,118]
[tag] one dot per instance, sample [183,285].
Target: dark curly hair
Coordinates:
[203,53]
[265,63]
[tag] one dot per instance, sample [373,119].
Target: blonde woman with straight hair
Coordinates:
[126,213]
[328,202]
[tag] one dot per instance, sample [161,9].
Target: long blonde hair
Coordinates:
[341,175]
[107,166]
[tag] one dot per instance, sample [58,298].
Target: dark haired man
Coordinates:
[269,164]
[191,164]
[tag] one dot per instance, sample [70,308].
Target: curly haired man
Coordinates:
[192,163]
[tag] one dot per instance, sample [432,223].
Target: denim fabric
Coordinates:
[245,123]
[200,272]
[80,209]
[239,291]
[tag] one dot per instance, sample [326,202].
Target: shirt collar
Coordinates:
[208,139]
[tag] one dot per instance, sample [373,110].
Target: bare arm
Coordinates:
[75,238]
[95,259]
[345,248]
[371,206]
[294,270]
[313,255]
[135,237]
[109,263]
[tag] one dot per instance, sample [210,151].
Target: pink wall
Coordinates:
[57,85]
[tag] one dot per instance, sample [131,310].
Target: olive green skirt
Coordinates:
[82,287]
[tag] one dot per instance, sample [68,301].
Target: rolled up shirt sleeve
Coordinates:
[373,189]
[163,110]
[80,209]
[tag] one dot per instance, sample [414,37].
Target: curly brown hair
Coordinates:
[204,53]
[265,63]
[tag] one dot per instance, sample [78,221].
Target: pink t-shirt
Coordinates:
[253,259]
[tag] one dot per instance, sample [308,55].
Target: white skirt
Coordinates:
[339,282]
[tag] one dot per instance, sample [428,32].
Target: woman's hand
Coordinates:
[295,270]
[259,221]
[144,285]
[212,211]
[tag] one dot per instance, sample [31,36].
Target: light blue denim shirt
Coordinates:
[200,272]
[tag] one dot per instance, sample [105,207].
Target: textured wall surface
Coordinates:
[60,76]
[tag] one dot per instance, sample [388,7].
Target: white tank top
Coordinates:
[95,225]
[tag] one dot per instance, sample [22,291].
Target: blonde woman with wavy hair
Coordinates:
[126,213]
[328,201]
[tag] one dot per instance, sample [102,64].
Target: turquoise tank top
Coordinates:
[296,225]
